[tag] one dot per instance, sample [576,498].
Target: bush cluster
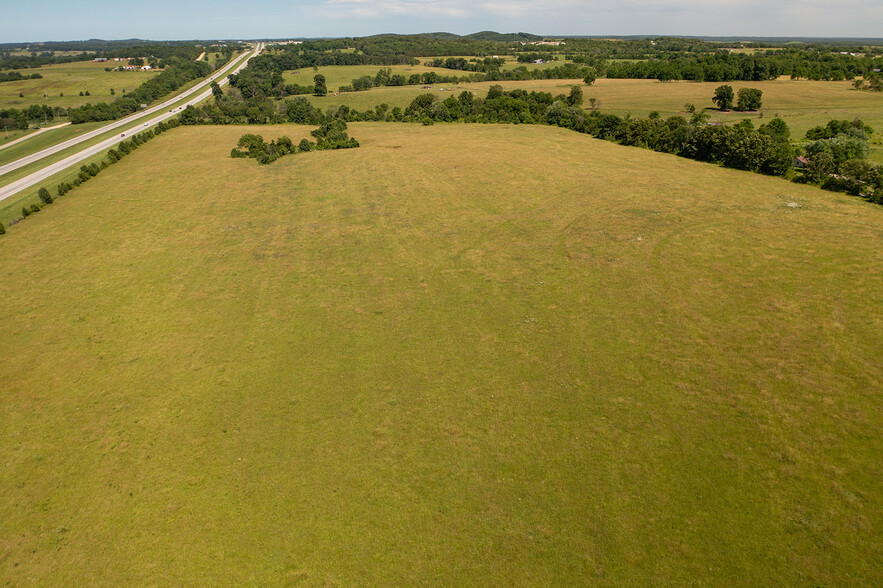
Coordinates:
[837,161]
[330,135]
[14,76]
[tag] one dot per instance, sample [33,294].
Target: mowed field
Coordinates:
[70,79]
[485,355]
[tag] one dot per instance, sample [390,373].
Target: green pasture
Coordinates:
[71,79]
[458,355]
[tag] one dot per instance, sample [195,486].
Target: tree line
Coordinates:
[14,76]
[725,66]
[20,118]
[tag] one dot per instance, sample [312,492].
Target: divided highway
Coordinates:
[52,169]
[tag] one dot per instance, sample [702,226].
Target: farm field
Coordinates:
[425,361]
[71,79]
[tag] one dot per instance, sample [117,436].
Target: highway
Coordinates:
[223,73]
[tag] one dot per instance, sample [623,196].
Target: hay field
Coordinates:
[485,355]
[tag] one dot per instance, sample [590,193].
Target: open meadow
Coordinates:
[70,79]
[460,354]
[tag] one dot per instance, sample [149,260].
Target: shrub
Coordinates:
[2,229]
[841,184]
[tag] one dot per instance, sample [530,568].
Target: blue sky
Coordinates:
[51,20]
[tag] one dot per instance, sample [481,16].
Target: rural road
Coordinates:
[52,169]
[34,134]
[4,169]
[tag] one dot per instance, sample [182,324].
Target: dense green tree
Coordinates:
[749,99]
[723,97]
[744,125]
[363,83]
[856,169]
[776,128]
[820,166]
[319,87]
[2,229]
[576,96]
[300,111]
[45,196]
[841,148]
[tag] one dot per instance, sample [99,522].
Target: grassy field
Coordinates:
[71,79]
[427,362]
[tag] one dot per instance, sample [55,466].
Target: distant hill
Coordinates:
[484,36]
[440,36]
[504,37]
